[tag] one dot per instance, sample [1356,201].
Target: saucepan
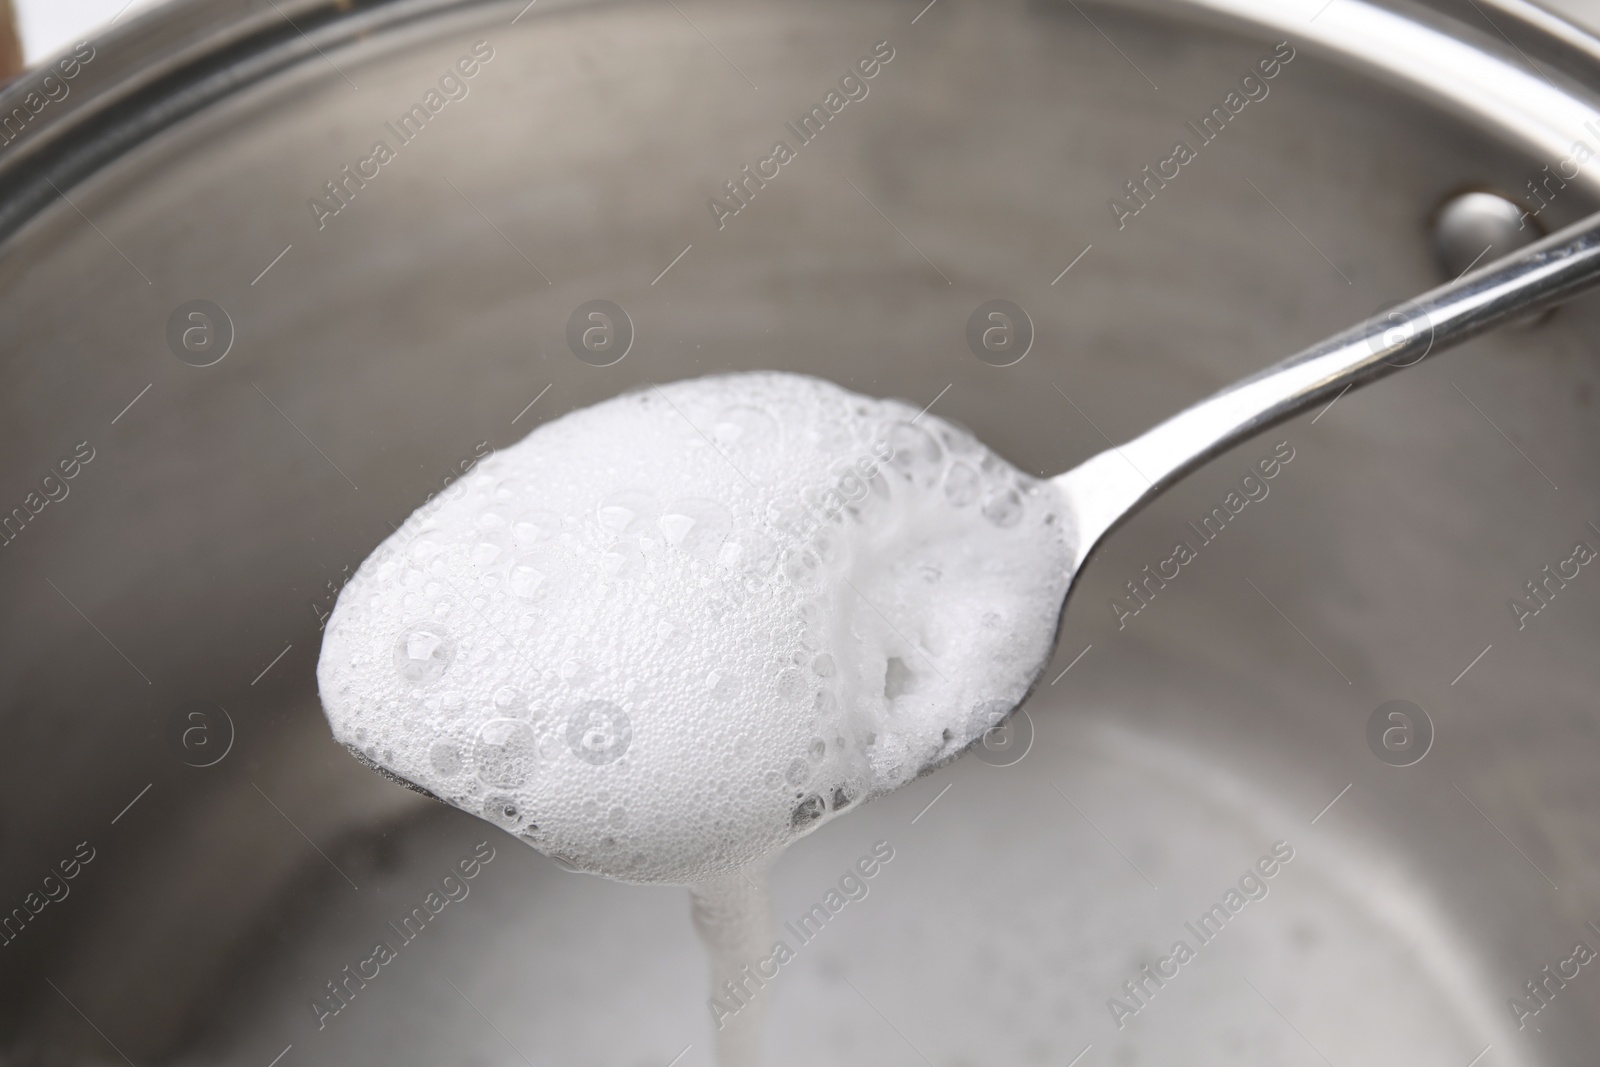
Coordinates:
[1317,787]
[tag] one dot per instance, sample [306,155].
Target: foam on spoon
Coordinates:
[663,636]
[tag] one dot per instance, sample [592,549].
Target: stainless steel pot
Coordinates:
[163,601]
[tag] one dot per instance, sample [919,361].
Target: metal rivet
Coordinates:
[1471,229]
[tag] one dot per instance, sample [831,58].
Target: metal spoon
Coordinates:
[1101,493]
[1105,490]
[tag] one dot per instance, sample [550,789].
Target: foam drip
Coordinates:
[733,916]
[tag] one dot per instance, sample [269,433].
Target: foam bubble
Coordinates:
[663,636]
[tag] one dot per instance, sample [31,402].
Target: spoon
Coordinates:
[733,912]
[384,718]
[1105,490]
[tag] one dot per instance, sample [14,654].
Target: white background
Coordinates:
[48,26]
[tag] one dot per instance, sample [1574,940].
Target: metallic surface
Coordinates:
[1103,492]
[1476,227]
[186,569]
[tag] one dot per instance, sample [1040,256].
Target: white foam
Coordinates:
[662,636]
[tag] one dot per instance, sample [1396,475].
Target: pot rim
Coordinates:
[171,61]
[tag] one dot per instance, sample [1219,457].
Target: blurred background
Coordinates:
[160,628]
[44,27]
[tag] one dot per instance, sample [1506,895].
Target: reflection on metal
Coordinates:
[10,43]
[193,140]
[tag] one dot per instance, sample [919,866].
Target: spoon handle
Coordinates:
[1106,489]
